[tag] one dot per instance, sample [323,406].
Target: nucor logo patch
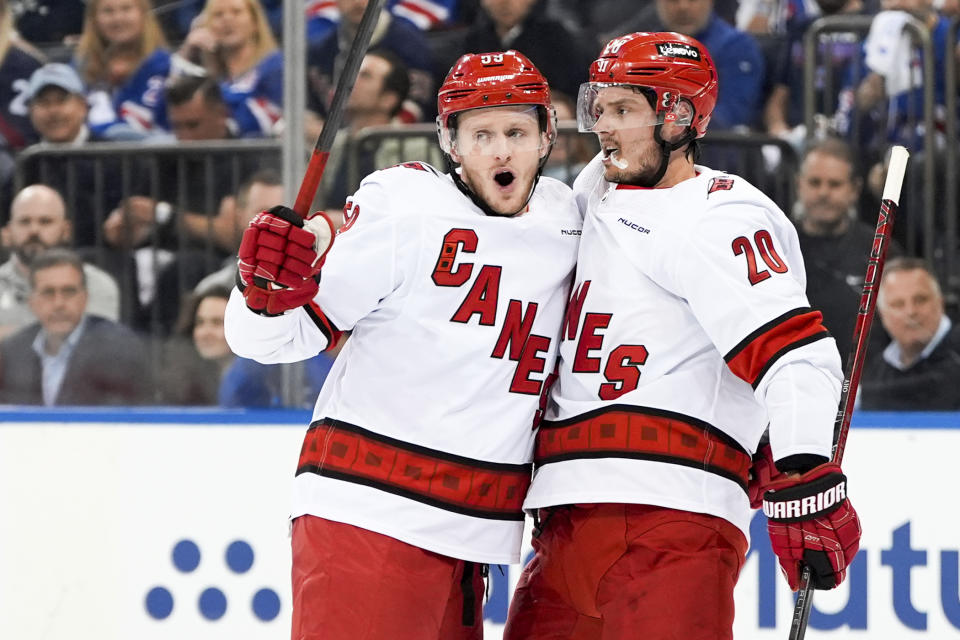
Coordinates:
[679,50]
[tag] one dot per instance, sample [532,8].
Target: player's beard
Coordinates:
[639,172]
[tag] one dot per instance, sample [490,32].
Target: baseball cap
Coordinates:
[55,74]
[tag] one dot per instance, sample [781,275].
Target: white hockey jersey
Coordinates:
[424,428]
[687,329]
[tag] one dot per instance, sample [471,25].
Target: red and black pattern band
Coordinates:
[643,433]
[754,355]
[477,488]
[324,324]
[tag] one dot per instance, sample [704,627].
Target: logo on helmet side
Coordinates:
[679,50]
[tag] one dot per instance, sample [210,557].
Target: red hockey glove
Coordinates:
[811,521]
[279,258]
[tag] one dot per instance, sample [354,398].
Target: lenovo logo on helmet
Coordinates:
[678,50]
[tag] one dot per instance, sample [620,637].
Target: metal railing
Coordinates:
[195,176]
[97,178]
[740,153]
[153,272]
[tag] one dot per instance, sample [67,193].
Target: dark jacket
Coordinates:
[108,366]
[932,384]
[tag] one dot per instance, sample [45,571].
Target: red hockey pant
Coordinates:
[619,572]
[354,584]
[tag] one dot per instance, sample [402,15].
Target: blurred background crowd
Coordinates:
[138,138]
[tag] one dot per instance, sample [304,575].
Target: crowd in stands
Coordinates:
[122,261]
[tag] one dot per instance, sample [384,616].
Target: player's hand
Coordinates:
[811,522]
[279,258]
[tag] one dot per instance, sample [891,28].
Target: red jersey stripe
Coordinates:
[751,359]
[343,451]
[643,433]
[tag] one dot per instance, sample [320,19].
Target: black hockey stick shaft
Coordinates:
[861,336]
[321,151]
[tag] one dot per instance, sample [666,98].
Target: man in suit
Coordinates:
[919,369]
[39,222]
[68,357]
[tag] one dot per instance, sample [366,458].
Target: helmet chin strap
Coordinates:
[666,148]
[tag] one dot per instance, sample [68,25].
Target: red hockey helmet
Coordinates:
[495,79]
[673,66]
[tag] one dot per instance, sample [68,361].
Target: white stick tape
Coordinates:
[895,172]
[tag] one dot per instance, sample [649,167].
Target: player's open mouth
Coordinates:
[611,155]
[503,177]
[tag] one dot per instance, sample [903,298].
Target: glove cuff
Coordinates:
[813,499]
[323,230]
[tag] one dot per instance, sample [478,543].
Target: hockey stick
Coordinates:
[861,334]
[321,151]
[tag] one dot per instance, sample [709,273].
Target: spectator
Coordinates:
[326,57]
[123,59]
[196,356]
[524,25]
[17,64]
[69,357]
[178,21]
[376,99]
[38,222]
[200,369]
[231,41]
[197,112]
[57,104]
[835,243]
[739,62]
[58,109]
[920,367]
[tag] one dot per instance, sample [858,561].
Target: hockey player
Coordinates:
[687,331]
[413,471]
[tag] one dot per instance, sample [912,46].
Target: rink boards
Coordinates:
[162,525]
